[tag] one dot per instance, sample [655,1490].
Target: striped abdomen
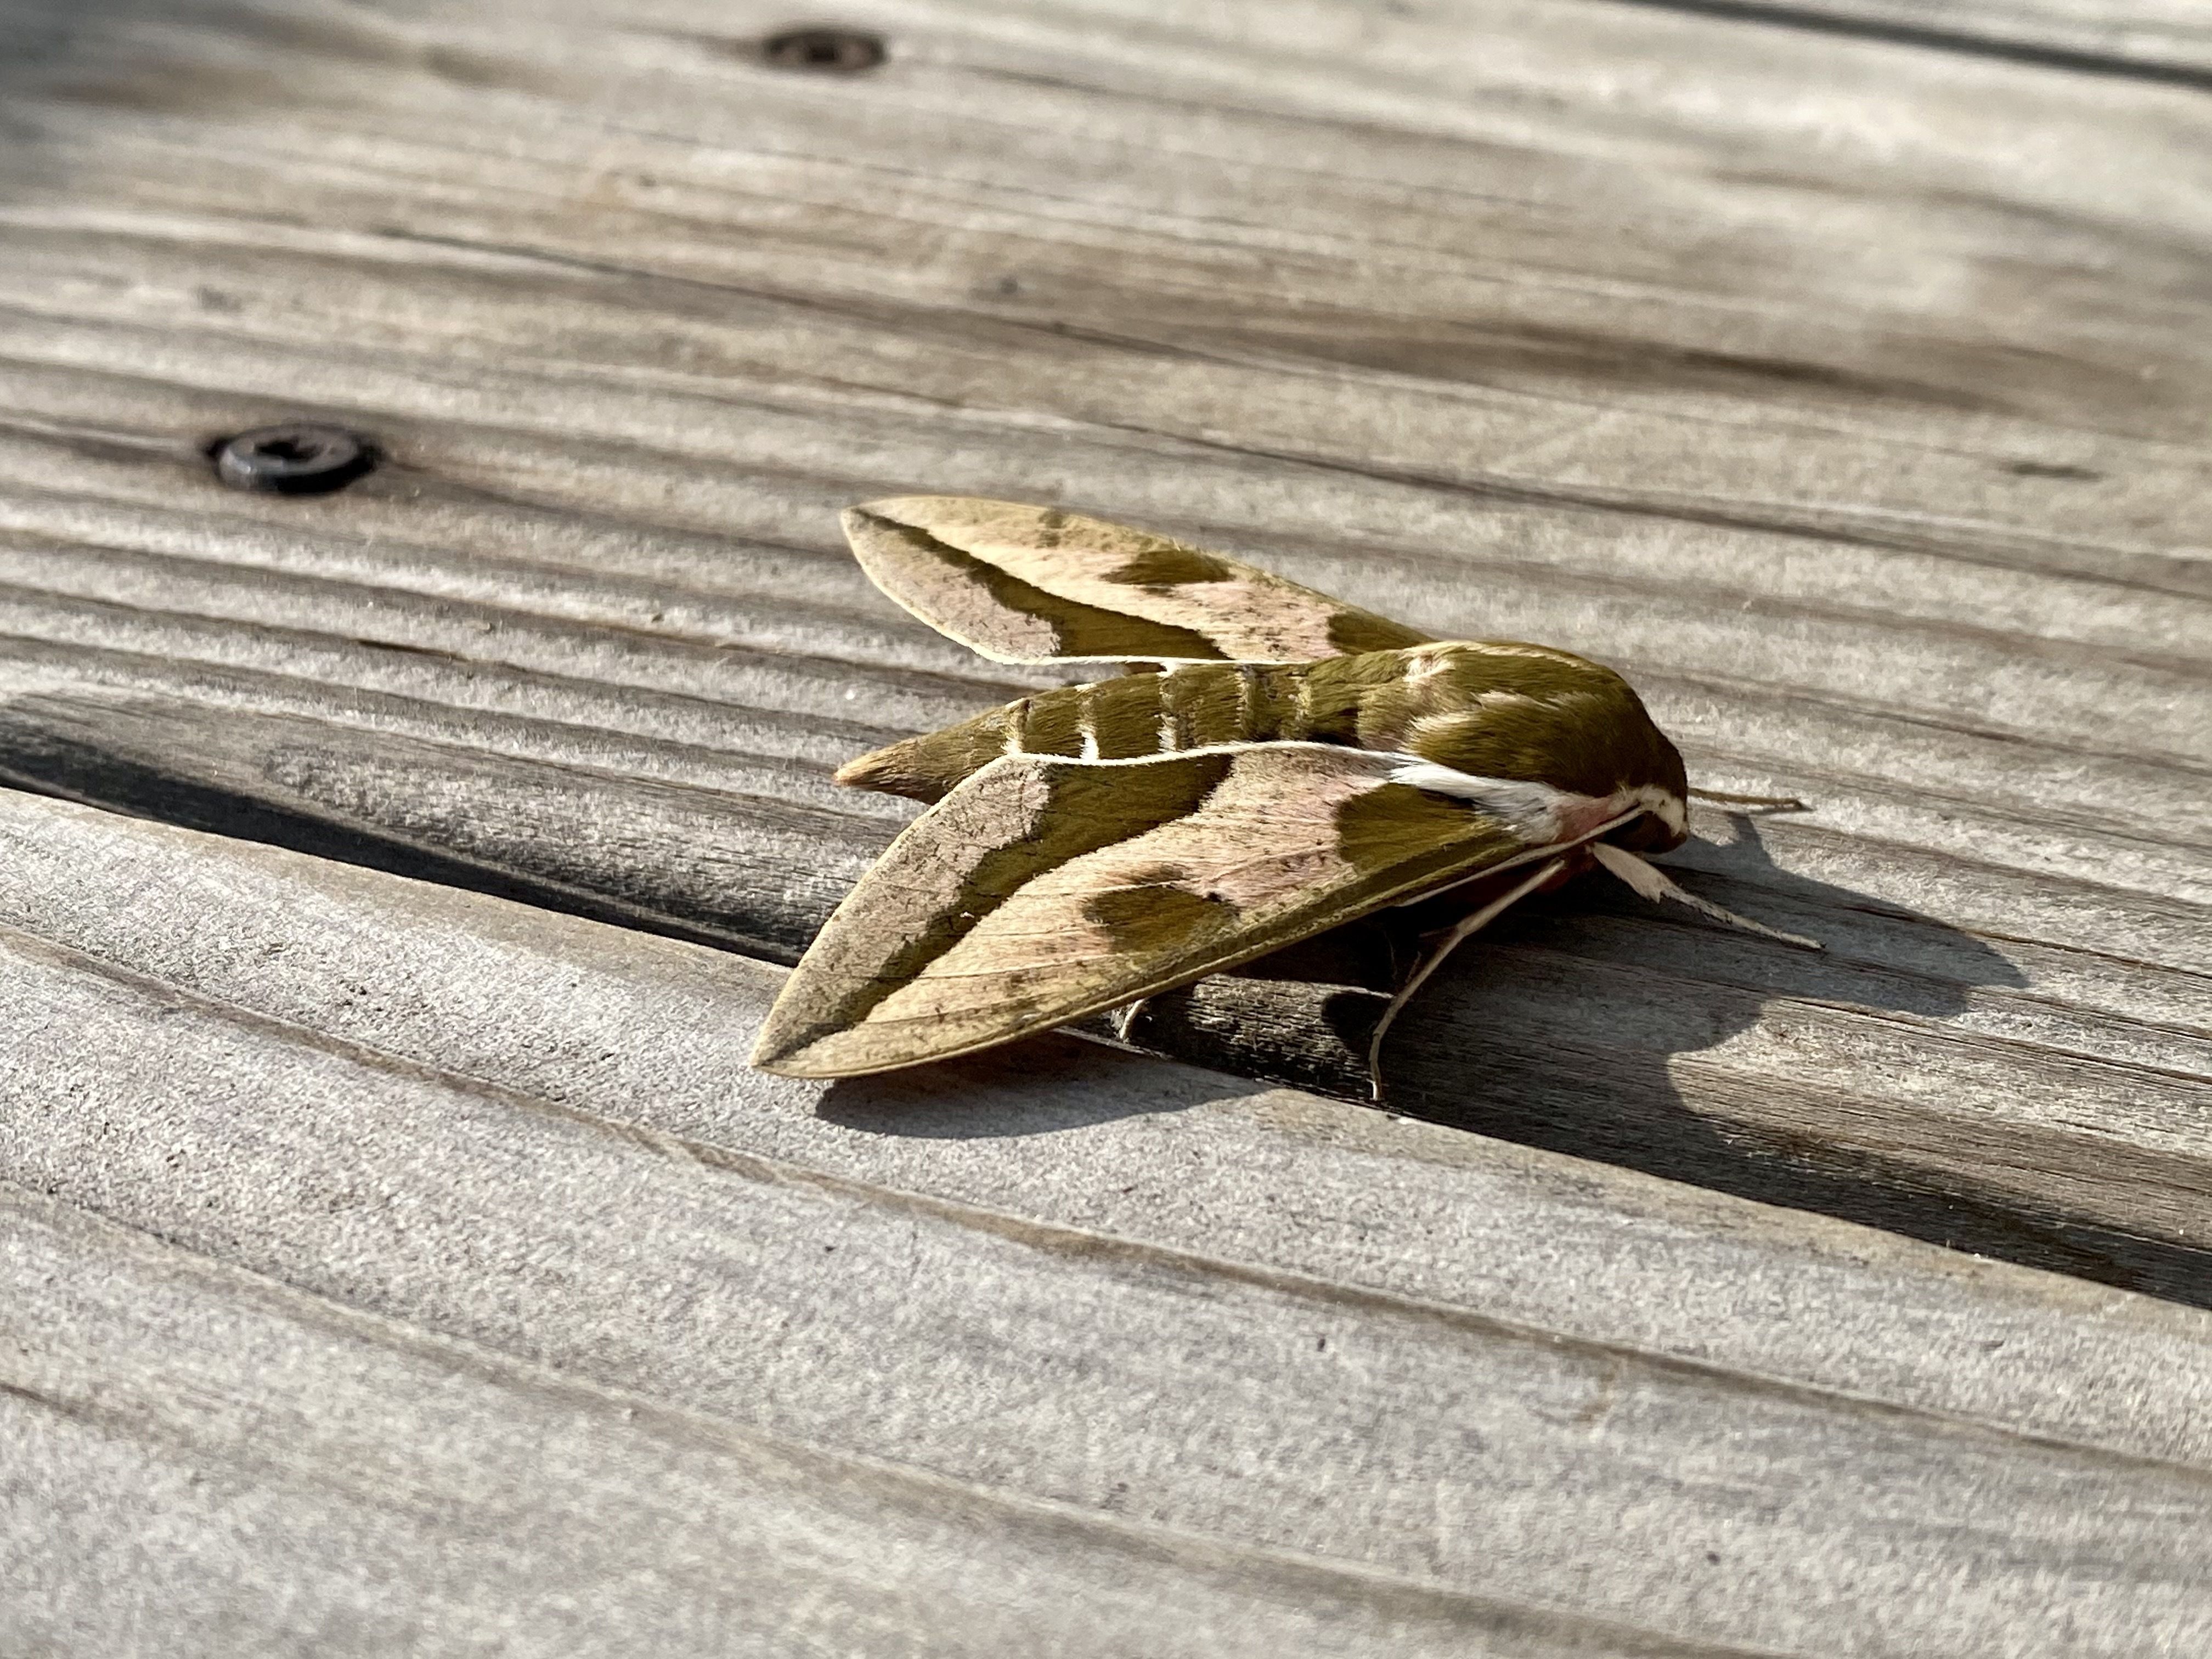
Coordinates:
[1194,706]
[1494,709]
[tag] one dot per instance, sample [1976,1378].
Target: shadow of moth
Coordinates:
[1293,764]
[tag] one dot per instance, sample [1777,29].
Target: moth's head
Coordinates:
[1496,708]
[1663,826]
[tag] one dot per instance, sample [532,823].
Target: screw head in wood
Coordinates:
[295,459]
[824,52]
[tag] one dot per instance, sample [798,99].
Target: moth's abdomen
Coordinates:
[1194,706]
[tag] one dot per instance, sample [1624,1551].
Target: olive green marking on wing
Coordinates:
[1411,835]
[1352,632]
[1175,603]
[1155,911]
[1170,564]
[996,613]
[951,868]
[1247,850]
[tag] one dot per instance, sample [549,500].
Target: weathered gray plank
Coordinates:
[1930,306]
[1260,1319]
[196,1462]
[1967,1119]
[2057,1119]
[1782,372]
[655,1034]
[1847,393]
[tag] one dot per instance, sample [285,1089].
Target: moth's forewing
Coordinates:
[1044,889]
[1034,585]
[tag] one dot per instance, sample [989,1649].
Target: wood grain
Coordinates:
[1863,443]
[177,1421]
[1838,371]
[525,1192]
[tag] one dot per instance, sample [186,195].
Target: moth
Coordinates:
[1289,764]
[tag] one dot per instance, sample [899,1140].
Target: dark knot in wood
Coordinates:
[835,51]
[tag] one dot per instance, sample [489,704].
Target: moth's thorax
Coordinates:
[1505,709]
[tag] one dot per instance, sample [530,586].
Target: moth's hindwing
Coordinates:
[1044,889]
[1034,585]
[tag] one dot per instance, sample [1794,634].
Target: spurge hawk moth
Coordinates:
[1292,764]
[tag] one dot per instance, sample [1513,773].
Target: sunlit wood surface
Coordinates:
[398,1256]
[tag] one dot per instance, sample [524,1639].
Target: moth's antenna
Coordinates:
[1771,803]
[1650,882]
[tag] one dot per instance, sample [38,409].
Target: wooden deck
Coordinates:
[399,1257]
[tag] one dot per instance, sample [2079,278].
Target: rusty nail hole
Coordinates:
[294,459]
[830,52]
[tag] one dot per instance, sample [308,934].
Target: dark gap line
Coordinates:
[2072,59]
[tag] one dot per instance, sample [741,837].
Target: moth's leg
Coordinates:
[1769,803]
[1649,881]
[1433,958]
[1361,955]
